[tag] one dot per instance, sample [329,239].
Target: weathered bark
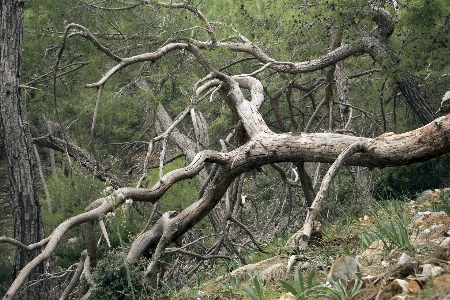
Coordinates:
[82,156]
[416,98]
[51,152]
[17,139]
[75,278]
[330,80]
[302,237]
[185,143]
[43,182]
[258,146]
[386,150]
[345,111]
[264,148]
[275,107]
[307,186]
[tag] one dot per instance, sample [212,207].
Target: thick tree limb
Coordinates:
[303,236]
[184,142]
[80,155]
[387,150]
[75,278]
[84,32]
[104,205]
[264,147]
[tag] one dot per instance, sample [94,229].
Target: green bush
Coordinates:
[6,266]
[69,195]
[300,288]
[116,279]
[407,181]
[444,205]
[391,227]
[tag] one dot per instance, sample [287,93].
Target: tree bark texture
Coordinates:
[17,138]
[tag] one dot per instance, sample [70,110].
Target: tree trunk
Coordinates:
[17,138]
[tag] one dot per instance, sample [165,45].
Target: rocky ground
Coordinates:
[420,272]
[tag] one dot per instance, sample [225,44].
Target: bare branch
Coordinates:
[145,166]
[16,243]
[322,62]
[305,233]
[192,9]
[82,156]
[255,242]
[94,120]
[84,32]
[75,278]
[201,257]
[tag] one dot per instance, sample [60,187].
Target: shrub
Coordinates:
[113,273]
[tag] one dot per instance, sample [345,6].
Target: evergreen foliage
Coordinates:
[117,279]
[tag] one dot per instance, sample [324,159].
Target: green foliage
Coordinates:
[366,238]
[116,279]
[69,194]
[181,194]
[339,290]
[444,205]
[256,293]
[285,30]
[124,225]
[407,181]
[428,23]
[299,288]
[68,252]
[6,265]
[391,227]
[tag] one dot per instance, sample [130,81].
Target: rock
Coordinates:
[424,195]
[442,253]
[404,258]
[425,218]
[405,270]
[344,269]
[399,297]
[288,296]
[441,285]
[413,287]
[445,243]
[398,289]
[374,254]
[269,270]
[430,270]
[391,290]
[431,234]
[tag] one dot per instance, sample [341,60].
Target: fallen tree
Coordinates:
[220,171]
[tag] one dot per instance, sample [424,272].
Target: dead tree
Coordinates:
[258,145]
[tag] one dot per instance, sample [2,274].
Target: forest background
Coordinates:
[359,94]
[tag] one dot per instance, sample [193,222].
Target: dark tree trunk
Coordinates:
[17,137]
[416,99]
